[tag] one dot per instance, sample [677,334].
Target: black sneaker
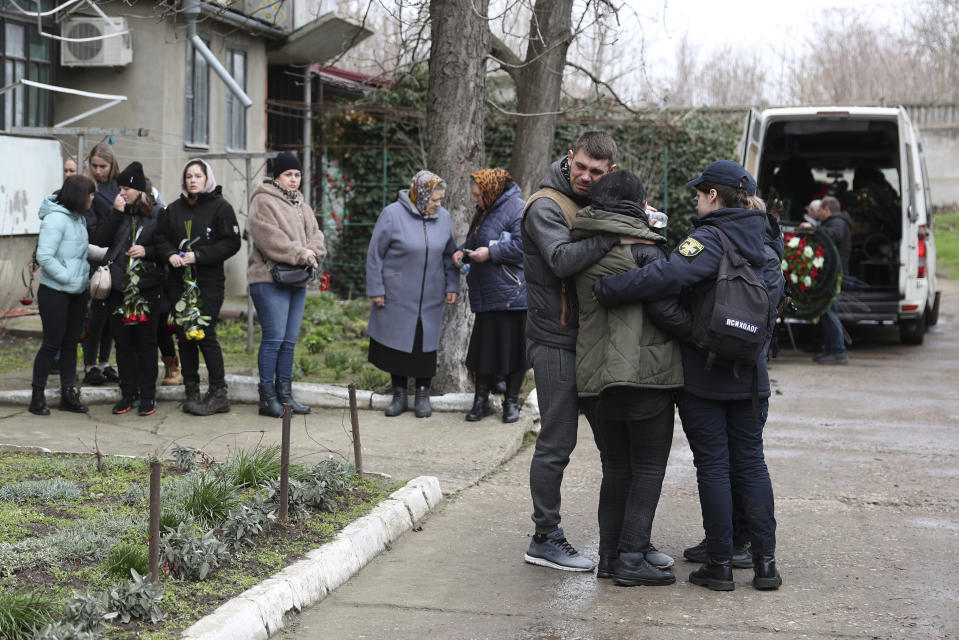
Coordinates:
[123,406]
[110,374]
[94,376]
[148,407]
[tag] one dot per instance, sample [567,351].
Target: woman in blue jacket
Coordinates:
[64,285]
[409,275]
[497,291]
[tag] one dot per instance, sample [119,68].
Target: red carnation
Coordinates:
[26,301]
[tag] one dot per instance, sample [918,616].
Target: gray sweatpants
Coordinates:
[555,373]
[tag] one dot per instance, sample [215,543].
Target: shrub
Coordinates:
[339,361]
[65,631]
[138,598]
[247,521]
[209,499]
[185,555]
[185,457]
[308,366]
[22,613]
[318,337]
[372,378]
[51,490]
[128,556]
[87,611]
[252,469]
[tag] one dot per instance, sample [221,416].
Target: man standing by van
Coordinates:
[836,224]
[550,257]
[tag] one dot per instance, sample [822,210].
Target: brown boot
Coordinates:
[171,376]
[215,401]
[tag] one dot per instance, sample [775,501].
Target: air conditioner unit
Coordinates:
[116,51]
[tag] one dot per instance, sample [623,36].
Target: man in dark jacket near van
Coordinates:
[551,259]
[836,224]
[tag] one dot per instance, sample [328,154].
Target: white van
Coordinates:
[871,159]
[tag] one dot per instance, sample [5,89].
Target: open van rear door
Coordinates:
[907,191]
[749,145]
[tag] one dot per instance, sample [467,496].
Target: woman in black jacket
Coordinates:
[130,233]
[214,236]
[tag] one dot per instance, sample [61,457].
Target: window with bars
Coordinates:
[196,111]
[24,53]
[235,113]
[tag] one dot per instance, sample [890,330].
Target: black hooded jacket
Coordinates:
[216,236]
[838,227]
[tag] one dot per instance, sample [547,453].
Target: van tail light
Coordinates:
[921,252]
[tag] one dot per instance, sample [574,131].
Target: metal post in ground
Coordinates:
[154,537]
[355,418]
[285,463]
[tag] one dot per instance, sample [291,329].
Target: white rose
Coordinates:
[793,242]
[807,281]
[817,262]
[807,252]
[793,278]
[785,266]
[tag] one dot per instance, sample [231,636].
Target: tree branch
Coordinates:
[504,56]
[602,83]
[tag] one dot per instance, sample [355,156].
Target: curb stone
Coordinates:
[260,611]
[244,389]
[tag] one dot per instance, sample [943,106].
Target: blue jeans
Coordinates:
[280,310]
[832,337]
[727,444]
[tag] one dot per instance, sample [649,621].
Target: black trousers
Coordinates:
[210,302]
[99,340]
[62,315]
[137,351]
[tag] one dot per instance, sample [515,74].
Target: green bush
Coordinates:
[252,469]
[86,611]
[186,555]
[23,612]
[372,378]
[128,556]
[138,598]
[247,521]
[65,631]
[209,499]
[52,490]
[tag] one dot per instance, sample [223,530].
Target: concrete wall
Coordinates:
[154,84]
[941,147]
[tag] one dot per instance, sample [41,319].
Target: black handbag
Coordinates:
[289,275]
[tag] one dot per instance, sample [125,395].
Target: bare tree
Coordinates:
[455,111]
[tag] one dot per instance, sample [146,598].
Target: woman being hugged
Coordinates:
[130,233]
[283,230]
[63,294]
[627,369]
[409,276]
[497,291]
[198,234]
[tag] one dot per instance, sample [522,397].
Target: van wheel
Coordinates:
[932,316]
[912,331]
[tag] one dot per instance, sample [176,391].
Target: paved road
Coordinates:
[864,460]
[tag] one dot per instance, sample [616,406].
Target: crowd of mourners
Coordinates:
[574,281]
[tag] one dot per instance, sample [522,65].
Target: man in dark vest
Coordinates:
[551,260]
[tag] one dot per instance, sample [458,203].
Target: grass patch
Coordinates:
[947,244]
[90,543]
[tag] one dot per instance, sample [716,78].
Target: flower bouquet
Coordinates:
[811,266]
[133,308]
[186,311]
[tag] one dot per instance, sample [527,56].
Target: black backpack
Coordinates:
[730,320]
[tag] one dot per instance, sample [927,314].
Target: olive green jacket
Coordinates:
[627,345]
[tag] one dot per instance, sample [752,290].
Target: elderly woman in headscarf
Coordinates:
[497,291]
[409,276]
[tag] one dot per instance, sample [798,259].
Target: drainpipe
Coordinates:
[308,136]
[191,9]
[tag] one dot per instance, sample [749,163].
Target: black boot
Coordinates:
[269,404]
[632,569]
[192,399]
[481,407]
[604,568]
[718,576]
[514,383]
[284,393]
[38,402]
[399,403]
[216,400]
[765,575]
[70,400]
[421,402]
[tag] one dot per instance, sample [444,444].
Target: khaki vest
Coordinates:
[565,203]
